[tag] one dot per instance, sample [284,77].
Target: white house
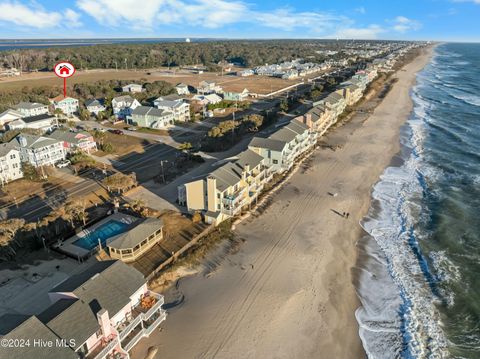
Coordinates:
[32,108]
[10,163]
[94,106]
[208,87]
[182,89]
[43,122]
[75,141]
[179,108]
[39,150]
[133,88]
[9,116]
[68,105]
[207,99]
[99,313]
[123,106]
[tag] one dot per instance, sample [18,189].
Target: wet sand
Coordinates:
[288,292]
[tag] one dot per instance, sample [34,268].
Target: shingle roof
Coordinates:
[70,137]
[31,329]
[34,142]
[125,98]
[250,158]
[148,111]
[71,319]
[92,102]
[5,148]
[268,143]
[137,234]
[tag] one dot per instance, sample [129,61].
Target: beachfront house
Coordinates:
[68,105]
[336,104]
[101,312]
[129,246]
[39,150]
[75,141]
[236,96]
[29,109]
[146,116]
[133,88]
[179,108]
[94,106]
[208,87]
[123,106]
[320,119]
[225,191]
[10,163]
[350,92]
[43,123]
[182,89]
[205,100]
[9,116]
[284,146]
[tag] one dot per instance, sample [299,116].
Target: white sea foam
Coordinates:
[399,317]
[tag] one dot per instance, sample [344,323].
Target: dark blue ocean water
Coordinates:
[420,281]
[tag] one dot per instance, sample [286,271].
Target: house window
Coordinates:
[275,162]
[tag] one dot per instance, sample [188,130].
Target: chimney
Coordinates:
[104,321]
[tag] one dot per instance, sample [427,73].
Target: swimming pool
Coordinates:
[103,232]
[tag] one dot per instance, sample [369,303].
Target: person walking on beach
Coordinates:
[344,214]
[348,214]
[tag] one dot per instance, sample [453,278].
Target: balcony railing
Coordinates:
[104,351]
[155,324]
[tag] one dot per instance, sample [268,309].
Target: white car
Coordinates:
[64,163]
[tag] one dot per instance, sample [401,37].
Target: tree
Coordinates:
[119,182]
[58,112]
[107,147]
[186,146]
[99,136]
[84,115]
[253,121]
[284,105]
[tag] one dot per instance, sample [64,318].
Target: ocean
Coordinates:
[419,261]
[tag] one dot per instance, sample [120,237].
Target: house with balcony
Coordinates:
[336,104]
[94,106]
[228,189]
[123,106]
[43,123]
[102,312]
[182,89]
[68,105]
[31,108]
[236,96]
[146,116]
[75,141]
[320,119]
[208,87]
[179,108]
[10,163]
[350,92]
[284,146]
[129,246]
[39,150]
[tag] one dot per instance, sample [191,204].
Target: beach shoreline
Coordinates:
[289,290]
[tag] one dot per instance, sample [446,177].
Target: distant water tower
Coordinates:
[187,39]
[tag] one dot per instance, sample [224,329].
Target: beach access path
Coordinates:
[288,291]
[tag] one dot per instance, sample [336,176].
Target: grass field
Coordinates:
[256,84]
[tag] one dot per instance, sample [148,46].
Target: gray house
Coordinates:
[146,116]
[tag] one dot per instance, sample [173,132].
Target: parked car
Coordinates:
[132,128]
[64,163]
[116,132]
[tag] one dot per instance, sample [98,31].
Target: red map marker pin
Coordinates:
[64,70]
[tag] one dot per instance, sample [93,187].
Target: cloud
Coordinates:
[16,13]
[403,24]
[473,1]
[204,13]
[72,18]
[361,10]
[366,33]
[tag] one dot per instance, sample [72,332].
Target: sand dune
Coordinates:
[288,292]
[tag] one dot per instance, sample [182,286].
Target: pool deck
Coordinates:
[74,251]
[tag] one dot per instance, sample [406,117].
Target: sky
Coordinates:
[443,20]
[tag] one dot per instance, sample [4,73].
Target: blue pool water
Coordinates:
[107,230]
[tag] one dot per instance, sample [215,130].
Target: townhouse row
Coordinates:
[236,185]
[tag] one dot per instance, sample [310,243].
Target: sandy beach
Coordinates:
[288,292]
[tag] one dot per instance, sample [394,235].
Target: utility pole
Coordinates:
[163,172]
[126,65]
